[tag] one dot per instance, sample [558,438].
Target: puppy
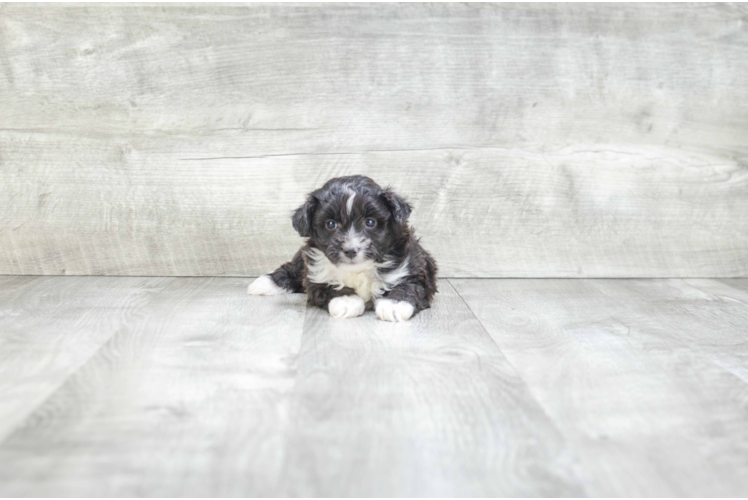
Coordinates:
[359,251]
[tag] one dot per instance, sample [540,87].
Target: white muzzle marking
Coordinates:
[354,241]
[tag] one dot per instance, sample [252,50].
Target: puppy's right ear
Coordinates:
[399,208]
[302,219]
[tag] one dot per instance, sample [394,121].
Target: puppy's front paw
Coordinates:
[394,310]
[264,285]
[347,306]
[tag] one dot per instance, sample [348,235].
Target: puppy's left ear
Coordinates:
[399,208]
[302,219]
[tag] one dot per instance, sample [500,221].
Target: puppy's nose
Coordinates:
[351,253]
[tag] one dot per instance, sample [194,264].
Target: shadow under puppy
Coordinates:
[359,251]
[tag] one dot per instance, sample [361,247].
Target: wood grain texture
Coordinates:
[49,327]
[189,387]
[424,408]
[188,402]
[218,394]
[536,140]
[645,378]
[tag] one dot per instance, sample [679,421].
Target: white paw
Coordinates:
[393,310]
[264,285]
[347,306]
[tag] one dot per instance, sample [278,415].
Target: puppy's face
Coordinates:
[352,220]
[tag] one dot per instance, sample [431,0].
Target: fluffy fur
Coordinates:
[347,306]
[264,285]
[393,310]
[370,280]
[359,250]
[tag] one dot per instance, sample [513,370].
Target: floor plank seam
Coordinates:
[575,453]
[21,424]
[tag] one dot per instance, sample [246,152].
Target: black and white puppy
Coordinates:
[359,251]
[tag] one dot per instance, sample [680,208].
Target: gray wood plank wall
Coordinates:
[534,140]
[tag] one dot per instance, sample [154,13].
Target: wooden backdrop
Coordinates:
[534,140]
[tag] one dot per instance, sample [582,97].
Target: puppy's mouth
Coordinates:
[345,261]
[351,264]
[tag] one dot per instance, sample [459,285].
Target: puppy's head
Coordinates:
[352,220]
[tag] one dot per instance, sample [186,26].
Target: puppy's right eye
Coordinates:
[331,224]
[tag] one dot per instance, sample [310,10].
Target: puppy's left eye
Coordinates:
[371,223]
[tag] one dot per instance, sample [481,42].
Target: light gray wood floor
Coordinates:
[187,386]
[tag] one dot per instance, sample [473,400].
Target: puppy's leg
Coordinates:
[413,295]
[339,303]
[402,302]
[288,278]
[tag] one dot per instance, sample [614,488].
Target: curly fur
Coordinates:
[359,243]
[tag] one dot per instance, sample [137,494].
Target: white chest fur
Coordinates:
[367,279]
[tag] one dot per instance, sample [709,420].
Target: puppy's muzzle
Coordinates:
[351,252]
